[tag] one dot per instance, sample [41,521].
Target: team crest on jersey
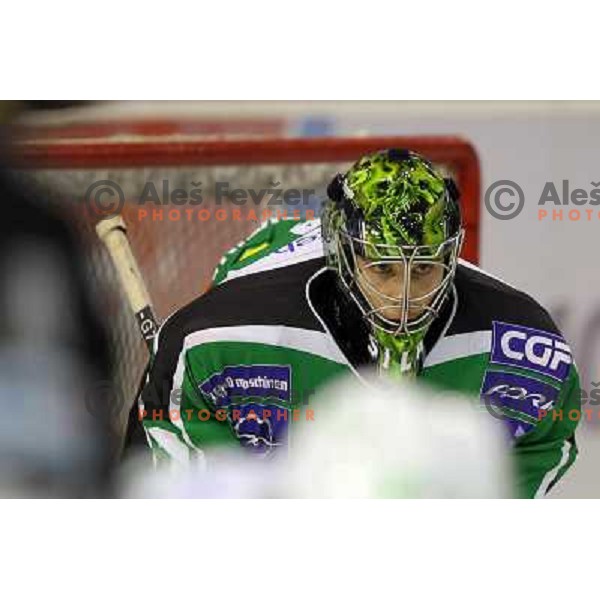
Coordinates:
[517,400]
[259,428]
[531,349]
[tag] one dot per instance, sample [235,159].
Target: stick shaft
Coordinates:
[113,233]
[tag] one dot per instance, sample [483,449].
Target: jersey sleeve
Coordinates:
[271,244]
[543,457]
[160,398]
[187,407]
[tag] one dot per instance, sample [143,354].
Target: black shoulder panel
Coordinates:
[275,297]
[483,299]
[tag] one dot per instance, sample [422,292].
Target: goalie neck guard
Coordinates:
[393,213]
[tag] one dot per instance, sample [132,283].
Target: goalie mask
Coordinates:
[392,231]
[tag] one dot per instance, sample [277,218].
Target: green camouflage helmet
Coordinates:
[404,201]
[393,206]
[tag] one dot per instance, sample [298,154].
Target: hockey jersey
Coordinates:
[240,364]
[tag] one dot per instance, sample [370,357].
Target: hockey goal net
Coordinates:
[178,251]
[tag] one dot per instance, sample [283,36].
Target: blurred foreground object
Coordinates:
[369,439]
[398,440]
[54,436]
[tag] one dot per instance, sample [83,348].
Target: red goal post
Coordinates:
[88,148]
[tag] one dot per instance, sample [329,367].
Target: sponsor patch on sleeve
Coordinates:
[532,349]
[517,400]
[252,395]
[248,381]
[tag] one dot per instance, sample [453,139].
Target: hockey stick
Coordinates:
[113,233]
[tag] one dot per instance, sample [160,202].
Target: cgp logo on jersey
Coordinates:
[532,349]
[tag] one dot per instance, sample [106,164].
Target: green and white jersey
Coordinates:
[239,365]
